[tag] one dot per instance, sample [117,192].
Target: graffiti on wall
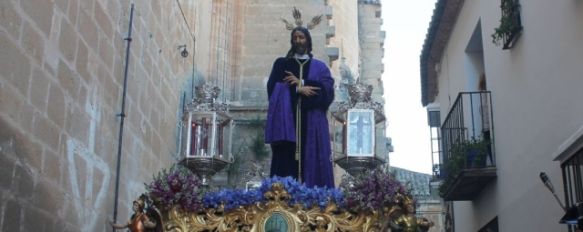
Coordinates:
[89,174]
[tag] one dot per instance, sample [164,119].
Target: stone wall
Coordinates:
[432,209]
[267,39]
[61,80]
[345,23]
[372,47]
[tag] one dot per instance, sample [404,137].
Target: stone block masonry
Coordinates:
[61,76]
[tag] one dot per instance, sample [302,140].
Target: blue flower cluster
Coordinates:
[300,194]
[231,198]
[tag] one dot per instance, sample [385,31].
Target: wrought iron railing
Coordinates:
[467,134]
[573,180]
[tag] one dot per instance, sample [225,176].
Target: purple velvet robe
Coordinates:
[280,129]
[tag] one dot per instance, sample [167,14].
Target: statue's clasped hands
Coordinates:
[292,80]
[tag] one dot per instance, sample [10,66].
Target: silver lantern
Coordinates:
[206,134]
[355,121]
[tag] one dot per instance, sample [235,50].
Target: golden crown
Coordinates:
[298,21]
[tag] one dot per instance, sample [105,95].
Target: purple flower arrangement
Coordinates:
[177,187]
[300,194]
[372,190]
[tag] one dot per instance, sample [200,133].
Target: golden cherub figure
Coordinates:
[139,222]
[407,221]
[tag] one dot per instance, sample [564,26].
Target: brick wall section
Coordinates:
[61,76]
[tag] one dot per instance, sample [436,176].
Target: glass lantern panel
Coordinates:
[198,134]
[360,132]
[223,131]
[338,139]
[202,136]
[206,134]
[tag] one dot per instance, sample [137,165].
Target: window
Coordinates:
[434,119]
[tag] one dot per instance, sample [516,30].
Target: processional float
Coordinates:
[278,204]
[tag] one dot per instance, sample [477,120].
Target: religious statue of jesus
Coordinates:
[300,90]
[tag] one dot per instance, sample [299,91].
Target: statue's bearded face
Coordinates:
[300,42]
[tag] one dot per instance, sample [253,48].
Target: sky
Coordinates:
[405,23]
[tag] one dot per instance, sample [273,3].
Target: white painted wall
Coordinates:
[537,104]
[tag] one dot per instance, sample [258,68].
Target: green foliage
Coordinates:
[507,26]
[258,148]
[258,143]
[464,155]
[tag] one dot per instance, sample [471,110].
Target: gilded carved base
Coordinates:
[277,215]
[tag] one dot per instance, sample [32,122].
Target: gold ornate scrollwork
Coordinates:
[254,218]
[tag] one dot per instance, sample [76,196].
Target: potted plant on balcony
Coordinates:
[476,151]
[510,26]
[468,154]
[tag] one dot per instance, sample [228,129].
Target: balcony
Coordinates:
[468,160]
[572,170]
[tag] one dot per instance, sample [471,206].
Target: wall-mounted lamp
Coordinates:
[545,179]
[574,214]
[184,52]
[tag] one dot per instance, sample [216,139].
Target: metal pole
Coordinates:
[128,39]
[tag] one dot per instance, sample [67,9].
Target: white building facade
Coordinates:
[523,99]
